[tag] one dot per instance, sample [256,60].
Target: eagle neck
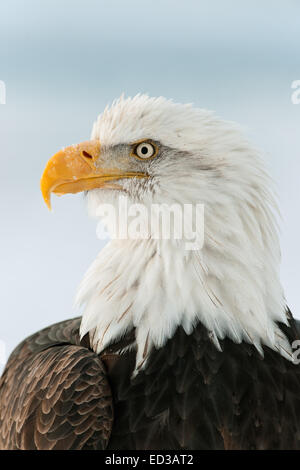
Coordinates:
[157,286]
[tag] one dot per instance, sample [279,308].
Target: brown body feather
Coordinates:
[56,393]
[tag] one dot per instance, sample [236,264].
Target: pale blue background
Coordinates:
[62,61]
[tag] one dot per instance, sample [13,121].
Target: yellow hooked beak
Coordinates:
[78,168]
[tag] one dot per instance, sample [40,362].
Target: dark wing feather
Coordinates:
[192,396]
[54,394]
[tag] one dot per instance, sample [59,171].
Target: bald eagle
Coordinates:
[176,348]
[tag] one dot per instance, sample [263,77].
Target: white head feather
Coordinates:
[232,284]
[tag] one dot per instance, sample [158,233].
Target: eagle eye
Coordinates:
[144,150]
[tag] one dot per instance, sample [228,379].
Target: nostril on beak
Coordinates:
[86,154]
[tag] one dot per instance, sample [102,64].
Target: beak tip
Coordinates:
[47,202]
[46,194]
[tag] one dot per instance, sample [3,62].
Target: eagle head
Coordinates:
[152,151]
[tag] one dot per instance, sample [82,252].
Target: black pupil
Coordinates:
[144,150]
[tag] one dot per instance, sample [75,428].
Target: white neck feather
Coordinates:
[155,286]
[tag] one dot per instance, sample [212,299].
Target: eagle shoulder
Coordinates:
[54,393]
